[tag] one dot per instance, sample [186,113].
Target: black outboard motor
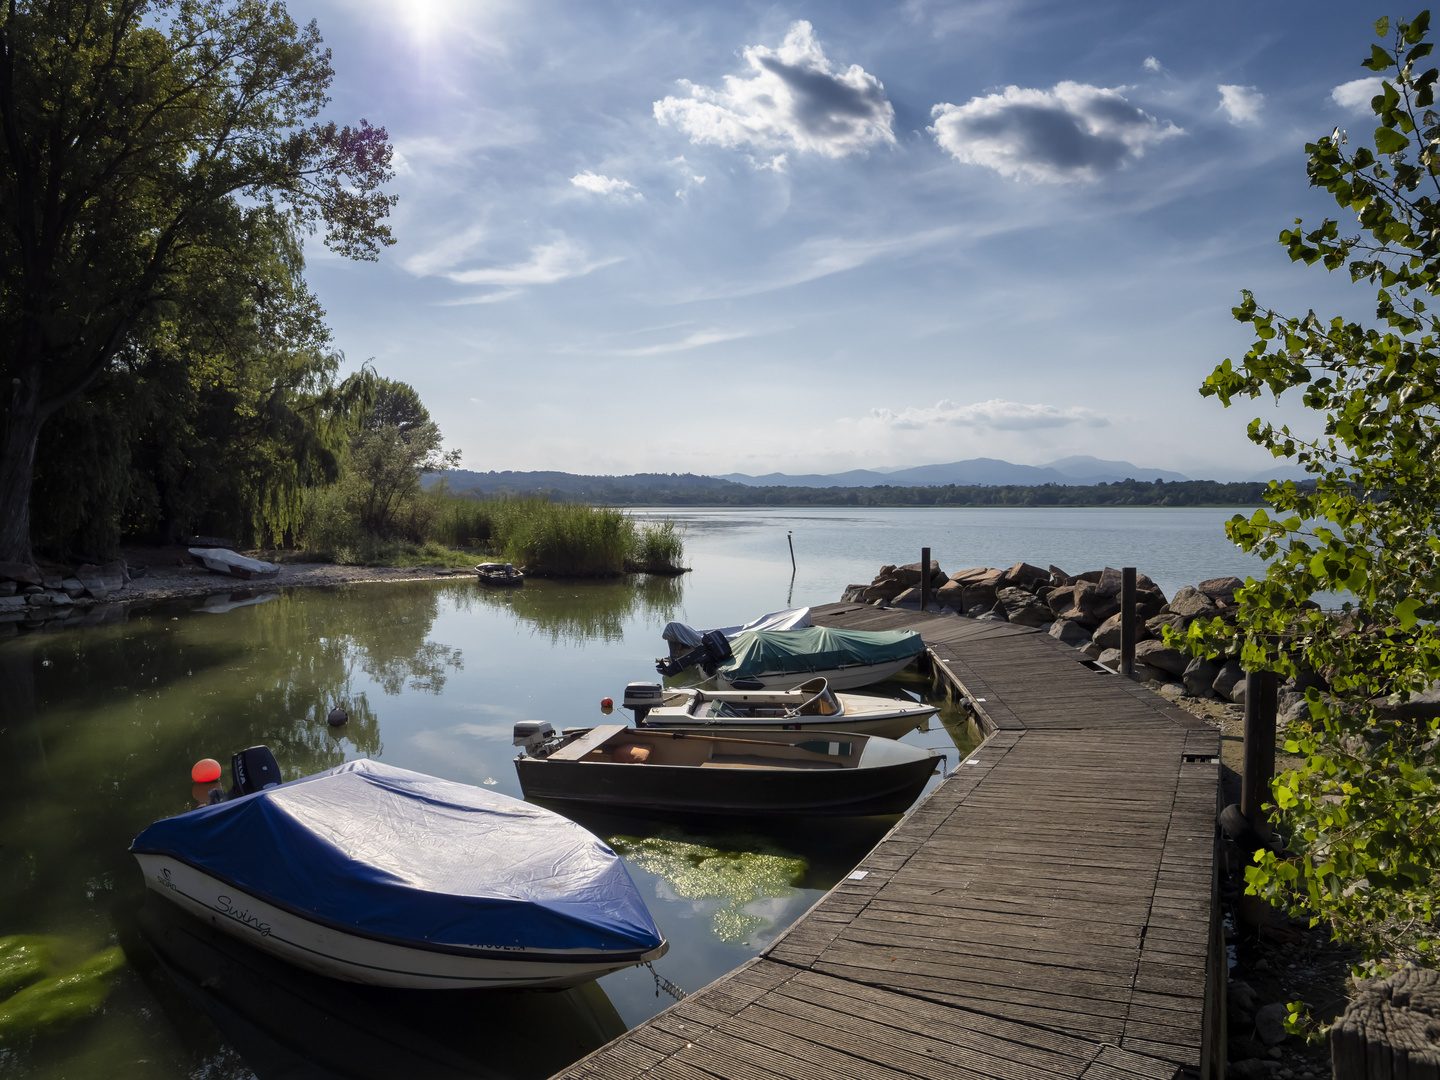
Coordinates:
[712,651]
[253,770]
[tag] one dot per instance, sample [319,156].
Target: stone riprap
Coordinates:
[1083,611]
[31,597]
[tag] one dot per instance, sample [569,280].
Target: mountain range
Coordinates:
[1079,470]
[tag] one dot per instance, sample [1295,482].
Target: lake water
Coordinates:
[99,728]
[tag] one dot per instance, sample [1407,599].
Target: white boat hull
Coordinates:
[846,678]
[360,959]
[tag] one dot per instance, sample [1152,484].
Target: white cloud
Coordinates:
[691,341]
[606,185]
[1241,104]
[1356,94]
[1152,65]
[548,264]
[791,98]
[482,298]
[690,179]
[995,415]
[440,257]
[1073,132]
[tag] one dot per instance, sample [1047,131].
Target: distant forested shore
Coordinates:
[689,490]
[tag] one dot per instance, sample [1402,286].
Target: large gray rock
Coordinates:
[1023,575]
[1198,676]
[1024,608]
[1059,577]
[853,594]
[1159,655]
[910,575]
[1108,633]
[1149,603]
[1191,603]
[21,572]
[980,585]
[1270,1023]
[1090,608]
[12,603]
[1110,582]
[1239,692]
[951,595]
[1061,598]
[886,588]
[1156,624]
[1069,632]
[101,581]
[1230,673]
[1220,588]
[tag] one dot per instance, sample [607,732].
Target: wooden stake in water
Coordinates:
[790,536]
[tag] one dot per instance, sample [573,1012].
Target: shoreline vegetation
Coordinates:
[543,538]
[690,490]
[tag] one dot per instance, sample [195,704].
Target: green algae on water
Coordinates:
[61,999]
[697,872]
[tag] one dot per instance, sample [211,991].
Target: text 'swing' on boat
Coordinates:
[816,648]
[790,619]
[381,851]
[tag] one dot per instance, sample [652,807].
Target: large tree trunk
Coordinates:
[21,430]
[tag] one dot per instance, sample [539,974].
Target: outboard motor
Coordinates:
[641,697]
[533,735]
[712,651]
[253,770]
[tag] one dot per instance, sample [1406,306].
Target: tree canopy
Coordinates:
[1361,812]
[158,161]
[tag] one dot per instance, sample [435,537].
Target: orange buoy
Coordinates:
[205,771]
[606,703]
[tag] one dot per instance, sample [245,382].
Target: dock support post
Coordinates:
[924,579]
[1258,763]
[1127,621]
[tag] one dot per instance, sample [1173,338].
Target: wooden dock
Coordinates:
[1048,911]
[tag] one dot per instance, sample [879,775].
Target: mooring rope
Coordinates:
[662,983]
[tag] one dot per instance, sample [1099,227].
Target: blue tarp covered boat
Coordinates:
[380,875]
[783,659]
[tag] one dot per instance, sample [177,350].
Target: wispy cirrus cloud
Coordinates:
[698,339]
[996,414]
[1072,132]
[597,184]
[1241,104]
[548,263]
[792,98]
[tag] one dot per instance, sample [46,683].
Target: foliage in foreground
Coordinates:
[1363,808]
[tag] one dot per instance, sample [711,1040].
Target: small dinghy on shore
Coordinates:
[810,706]
[380,875]
[735,773]
[496,573]
[224,561]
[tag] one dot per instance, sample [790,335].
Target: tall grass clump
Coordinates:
[558,539]
[658,549]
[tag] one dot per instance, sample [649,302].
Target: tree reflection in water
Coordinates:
[577,612]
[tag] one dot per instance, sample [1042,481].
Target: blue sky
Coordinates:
[745,238]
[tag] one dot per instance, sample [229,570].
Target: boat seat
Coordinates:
[754,761]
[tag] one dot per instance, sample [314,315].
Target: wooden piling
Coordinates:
[1258,760]
[924,579]
[1127,621]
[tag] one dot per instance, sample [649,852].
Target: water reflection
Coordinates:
[286,1022]
[577,612]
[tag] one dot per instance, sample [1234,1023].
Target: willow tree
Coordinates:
[140,142]
[1362,810]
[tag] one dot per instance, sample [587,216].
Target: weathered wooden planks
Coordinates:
[1047,911]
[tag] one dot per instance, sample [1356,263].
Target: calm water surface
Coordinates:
[99,728]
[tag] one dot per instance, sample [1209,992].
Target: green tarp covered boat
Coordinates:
[783,659]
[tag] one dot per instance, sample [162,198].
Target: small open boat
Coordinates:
[495,573]
[846,659]
[379,875]
[735,773]
[810,706]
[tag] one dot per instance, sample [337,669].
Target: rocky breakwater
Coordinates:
[1083,611]
[32,598]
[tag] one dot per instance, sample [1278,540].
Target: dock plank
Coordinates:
[1047,911]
